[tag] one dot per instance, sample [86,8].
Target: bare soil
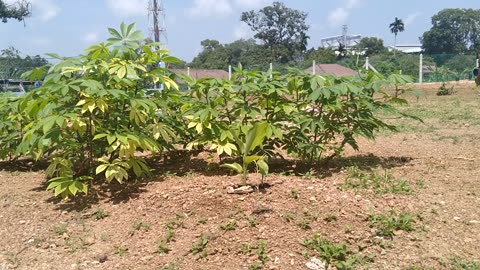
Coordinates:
[122,227]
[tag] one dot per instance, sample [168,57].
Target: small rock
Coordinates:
[22,222]
[241,198]
[73,265]
[101,258]
[313,199]
[442,202]
[316,264]
[311,188]
[474,222]
[456,218]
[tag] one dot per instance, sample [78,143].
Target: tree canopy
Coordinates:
[397,26]
[281,29]
[19,11]
[371,45]
[454,30]
[12,65]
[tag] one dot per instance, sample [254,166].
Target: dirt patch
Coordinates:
[184,218]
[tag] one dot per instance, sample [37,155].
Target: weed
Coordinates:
[61,229]
[445,91]
[236,212]
[101,214]
[121,250]
[330,218]
[262,251]
[169,236]
[247,248]
[201,246]
[252,221]
[380,183]
[255,266]
[387,224]
[171,266]
[175,223]
[203,220]
[331,253]
[461,264]
[295,193]
[230,225]
[162,247]
[304,224]
[140,225]
[289,217]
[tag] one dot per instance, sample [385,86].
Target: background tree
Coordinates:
[12,65]
[371,45]
[396,26]
[281,29]
[454,30]
[19,11]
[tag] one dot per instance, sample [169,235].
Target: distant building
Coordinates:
[332,69]
[407,48]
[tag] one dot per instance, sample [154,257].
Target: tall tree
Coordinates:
[12,65]
[454,30]
[371,45]
[397,26]
[281,29]
[19,11]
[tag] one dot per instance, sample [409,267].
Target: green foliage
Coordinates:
[121,250]
[337,255]
[454,30]
[397,26]
[101,214]
[380,183]
[77,118]
[230,225]
[371,45]
[390,222]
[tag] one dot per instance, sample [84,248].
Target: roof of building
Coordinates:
[203,73]
[332,69]
[407,48]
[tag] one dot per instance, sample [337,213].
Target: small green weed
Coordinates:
[260,249]
[61,229]
[230,225]
[121,250]
[162,247]
[295,193]
[380,183]
[202,220]
[390,222]
[252,221]
[330,218]
[175,223]
[201,246]
[101,214]
[140,225]
[337,255]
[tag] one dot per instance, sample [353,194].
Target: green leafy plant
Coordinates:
[390,222]
[101,214]
[230,225]
[121,250]
[247,144]
[77,118]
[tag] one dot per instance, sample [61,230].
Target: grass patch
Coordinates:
[386,224]
[380,183]
[337,255]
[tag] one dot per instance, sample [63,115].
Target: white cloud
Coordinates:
[252,3]
[411,18]
[210,8]
[45,10]
[340,15]
[92,37]
[126,8]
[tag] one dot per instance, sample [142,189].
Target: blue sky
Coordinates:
[67,27]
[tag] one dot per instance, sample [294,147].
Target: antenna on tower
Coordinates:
[156,12]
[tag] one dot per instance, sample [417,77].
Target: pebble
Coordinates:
[474,222]
[456,218]
[313,199]
[22,222]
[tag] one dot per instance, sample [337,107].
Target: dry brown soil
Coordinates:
[121,227]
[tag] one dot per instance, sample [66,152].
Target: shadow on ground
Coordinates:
[184,163]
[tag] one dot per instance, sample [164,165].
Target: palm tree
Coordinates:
[396,26]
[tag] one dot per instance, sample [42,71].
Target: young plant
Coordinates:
[247,144]
[337,255]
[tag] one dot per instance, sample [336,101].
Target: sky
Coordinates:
[67,27]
